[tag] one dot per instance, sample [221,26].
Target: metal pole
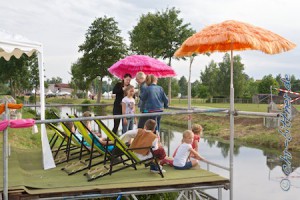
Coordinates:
[231,111]
[189,92]
[271,93]
[5,156]
[219,194]
[169,142]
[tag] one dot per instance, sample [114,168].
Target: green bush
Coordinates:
[86,108]
[49,113]
[29,111]
[80,95]
[20,99]
[32,99]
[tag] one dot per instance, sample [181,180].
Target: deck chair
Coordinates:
[113,155]
[58,136]
[73,146]
[94,147]
[72,141]
[75,140]
[119,144]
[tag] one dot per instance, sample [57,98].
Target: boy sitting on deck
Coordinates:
[182,158]
[145,138]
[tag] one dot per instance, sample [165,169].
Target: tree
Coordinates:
[239,77]
[164,82]
[251,88]
[160,35]
[142,36]
[103,46]
[195,88]
[199,90]
[16,73]
[217,77]
[54,80]
[278,79]
[78,80]
[34,79]
[295,83]
[265,83]
[183,86]
[209,78]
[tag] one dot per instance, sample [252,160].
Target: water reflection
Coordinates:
[254,169]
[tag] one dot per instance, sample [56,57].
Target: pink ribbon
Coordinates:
[17,123]
[3,124]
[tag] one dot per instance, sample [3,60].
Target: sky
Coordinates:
[60,25]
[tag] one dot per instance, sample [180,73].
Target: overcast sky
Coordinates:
[60,25]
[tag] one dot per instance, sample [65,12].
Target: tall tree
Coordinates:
[79,80]
[209,78]
[199,90]
[171,35]
[164,82]
[103,47]
[239,77]
[143,40]
[195,88]
[160,35]
[183,86]
[251,88]
[16,73]
[34,79]
[265,83]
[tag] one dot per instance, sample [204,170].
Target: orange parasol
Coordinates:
[234,35]
[228,36]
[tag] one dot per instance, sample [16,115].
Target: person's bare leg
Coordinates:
[194,163]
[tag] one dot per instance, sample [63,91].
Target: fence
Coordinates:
[211,100]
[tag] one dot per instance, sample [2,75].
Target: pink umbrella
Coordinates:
[136,63]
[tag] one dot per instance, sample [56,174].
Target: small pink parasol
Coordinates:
[136,63]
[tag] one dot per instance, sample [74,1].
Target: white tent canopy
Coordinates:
[16,45]
[49,92]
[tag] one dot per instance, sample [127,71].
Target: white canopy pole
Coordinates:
[48,160]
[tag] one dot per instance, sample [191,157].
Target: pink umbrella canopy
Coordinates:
[136,63]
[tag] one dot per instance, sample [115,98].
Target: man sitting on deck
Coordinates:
[145,138]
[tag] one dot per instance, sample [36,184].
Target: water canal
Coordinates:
[257,173]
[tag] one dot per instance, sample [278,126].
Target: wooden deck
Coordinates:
[28,180]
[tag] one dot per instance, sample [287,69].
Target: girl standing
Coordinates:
[128,107]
